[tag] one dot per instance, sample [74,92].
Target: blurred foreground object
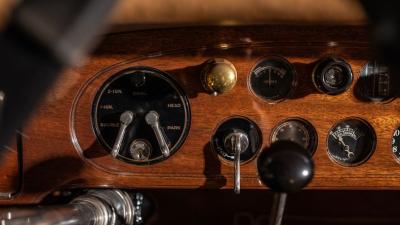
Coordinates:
[385,23]
[135,14]
[43,37]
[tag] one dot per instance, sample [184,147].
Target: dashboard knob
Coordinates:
[285,167]
[218,76]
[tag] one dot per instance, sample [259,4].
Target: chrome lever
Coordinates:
[126,118]
[237,143]
[237,168]
[152,118]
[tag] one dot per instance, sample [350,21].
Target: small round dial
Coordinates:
[296,130]
[351,141]
[396,144]
[141,115]
[272,79]
[332,76]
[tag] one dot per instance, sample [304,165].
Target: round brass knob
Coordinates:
[218,76]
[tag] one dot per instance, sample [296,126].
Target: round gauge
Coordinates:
[351,141]
[272,79]
[296,130]
[141,115]
[332,76]
[396,144]
[375,83]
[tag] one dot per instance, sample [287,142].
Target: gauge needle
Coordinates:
[126,118]
[152,118]
[346,148]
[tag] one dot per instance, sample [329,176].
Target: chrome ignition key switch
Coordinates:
[126,118]
[236,140]
[140,150]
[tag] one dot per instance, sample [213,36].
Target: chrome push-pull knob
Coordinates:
[236,143]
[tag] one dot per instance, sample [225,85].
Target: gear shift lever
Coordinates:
[285,167]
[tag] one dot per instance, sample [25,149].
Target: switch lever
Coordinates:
[237,142]
[126,118]
[153,119]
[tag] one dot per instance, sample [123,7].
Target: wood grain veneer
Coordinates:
[53,162]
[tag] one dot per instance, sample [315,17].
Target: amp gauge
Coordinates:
[351,141]
[141,115]
[272,79]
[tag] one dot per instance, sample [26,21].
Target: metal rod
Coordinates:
[238,151]
[96,207]
[54,215]
[278,208]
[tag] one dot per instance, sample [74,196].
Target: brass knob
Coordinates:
[218,76]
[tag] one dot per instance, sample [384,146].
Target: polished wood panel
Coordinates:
[52,160]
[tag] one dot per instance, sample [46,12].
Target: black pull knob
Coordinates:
[285,167]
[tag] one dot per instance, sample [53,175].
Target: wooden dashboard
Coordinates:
[60,149]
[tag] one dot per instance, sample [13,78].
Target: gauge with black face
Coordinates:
[351,141]
[396,144]
[332,75]
[297,130]
[146,109]
[376,83]
[272,79]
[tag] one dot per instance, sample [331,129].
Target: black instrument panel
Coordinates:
[141,90]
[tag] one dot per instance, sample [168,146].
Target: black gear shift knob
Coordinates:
[285,167]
